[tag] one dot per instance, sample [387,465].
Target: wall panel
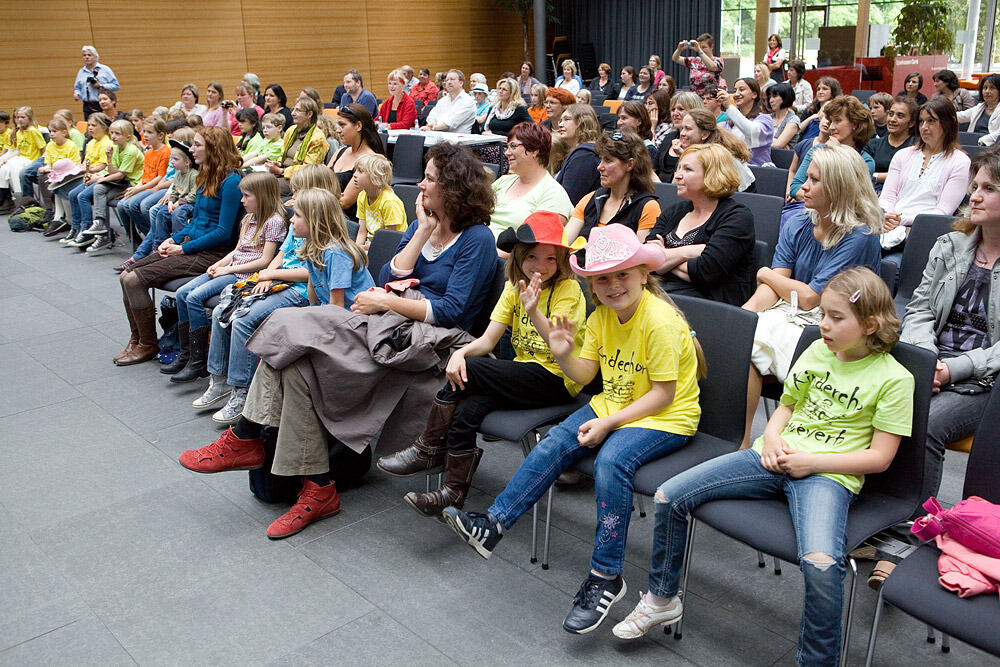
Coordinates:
[42,75]
[295,43]
[154,59]
[312,44]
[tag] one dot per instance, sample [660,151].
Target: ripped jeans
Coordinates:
[623,451]
[819,513]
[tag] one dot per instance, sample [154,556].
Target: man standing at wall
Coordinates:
[92,78]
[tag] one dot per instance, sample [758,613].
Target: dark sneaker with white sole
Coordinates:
[80,241]
[592,603]
[97,227]
[103,242]
[482,532]
[56,227]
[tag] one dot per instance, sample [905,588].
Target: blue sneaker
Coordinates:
[482,532]
[592,603]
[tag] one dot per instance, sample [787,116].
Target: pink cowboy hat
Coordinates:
[614,248]
[64,170]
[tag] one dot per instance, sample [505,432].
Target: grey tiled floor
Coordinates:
[111,553]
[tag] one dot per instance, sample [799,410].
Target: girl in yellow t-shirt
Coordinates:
[26,146]
[846,405]
[378,206]
[95,163]
[539,285]
[649,363]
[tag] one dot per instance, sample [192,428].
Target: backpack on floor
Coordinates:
[346,466]
[28,220]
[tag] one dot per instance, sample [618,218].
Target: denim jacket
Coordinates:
[931,303]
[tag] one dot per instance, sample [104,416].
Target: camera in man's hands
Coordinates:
[92,80]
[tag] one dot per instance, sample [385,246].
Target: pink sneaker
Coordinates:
[315,502]
[226,453]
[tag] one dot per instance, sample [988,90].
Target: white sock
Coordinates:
[654,600]
[604,576]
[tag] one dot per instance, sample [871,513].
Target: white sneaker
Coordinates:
[645,617]
[233,410]
[217,392]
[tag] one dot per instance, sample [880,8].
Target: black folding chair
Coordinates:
[923,235]
[408,193]
[770,180]
[968,139]
[666,193]
[885,500]
[383,247]
[408,159]
[913,587]
[782,157]
[766,211]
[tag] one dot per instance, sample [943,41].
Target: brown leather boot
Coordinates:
[135,334]
[428,450]
[146,347]
[458,472]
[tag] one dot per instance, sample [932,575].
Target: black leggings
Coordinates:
[495,384]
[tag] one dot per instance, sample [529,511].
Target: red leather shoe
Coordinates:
[315,502]
[226,453]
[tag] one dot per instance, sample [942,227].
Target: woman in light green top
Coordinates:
[528,187]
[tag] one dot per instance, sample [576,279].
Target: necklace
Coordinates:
[981,258]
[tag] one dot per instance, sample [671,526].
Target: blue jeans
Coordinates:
[81,201]
[133,212]
[621,454]
[819,513]
[191,298]
[30,176]
[162,225]
[228,350]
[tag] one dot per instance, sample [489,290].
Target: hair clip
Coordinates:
[694,334]
[617,136]
[854,297]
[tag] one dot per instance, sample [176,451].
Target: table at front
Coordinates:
[488,147]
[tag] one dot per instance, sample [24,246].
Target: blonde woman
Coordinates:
[509,110]
[839,228]
[570,79]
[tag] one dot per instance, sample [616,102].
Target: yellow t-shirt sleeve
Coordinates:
[393,212]
[503,312]
[592,336]
[663,347]
[362,206]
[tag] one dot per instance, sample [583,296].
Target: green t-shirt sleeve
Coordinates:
[796,384]
[894,408]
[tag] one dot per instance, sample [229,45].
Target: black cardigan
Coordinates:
[505,125]
[579,174]
[725,269]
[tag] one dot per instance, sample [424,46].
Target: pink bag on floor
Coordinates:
[973,522]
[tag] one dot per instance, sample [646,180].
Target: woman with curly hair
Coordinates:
[451,251]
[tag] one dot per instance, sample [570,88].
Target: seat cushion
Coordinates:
[913,588]
[766,525]
[176,283]
[512,425]
[648,478]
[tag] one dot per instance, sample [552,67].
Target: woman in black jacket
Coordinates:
[708,240]
[603,83]
[578,129]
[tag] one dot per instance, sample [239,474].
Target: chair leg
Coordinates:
[548,530]
[846,644]
[945,646]
[930,634]
[777,566]
[760,559]
[527,444]
[678,626]
[874,633]
[637,499]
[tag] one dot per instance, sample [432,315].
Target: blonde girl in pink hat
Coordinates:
[650,363]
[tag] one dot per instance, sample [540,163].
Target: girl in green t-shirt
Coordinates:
[846,405]
[539,285]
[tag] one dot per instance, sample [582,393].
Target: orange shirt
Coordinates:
[155,163]
[538,115]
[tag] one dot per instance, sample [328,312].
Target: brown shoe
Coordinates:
[427,452]
[458,472]
[133,339]
[145,348]
[882,570]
